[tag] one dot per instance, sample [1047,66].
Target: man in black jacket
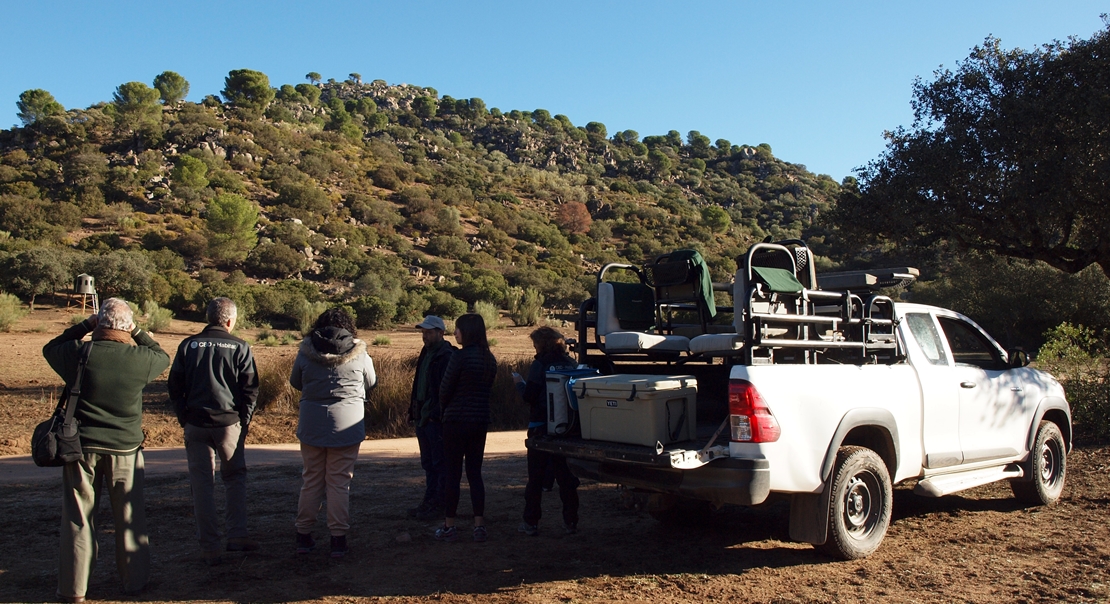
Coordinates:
[424,413]
[213,385]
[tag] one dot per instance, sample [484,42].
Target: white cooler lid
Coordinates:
[642,383]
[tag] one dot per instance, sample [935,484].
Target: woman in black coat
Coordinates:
[464,397]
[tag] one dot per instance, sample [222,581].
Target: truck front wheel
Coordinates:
[1047,468]
[859,510]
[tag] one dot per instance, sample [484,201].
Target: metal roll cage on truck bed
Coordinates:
[817,388]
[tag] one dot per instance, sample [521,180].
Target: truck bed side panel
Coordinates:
[809,402]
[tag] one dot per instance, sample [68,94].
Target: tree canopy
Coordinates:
[36,104]
[171,86]
[137,108]
[248,89]
[230,226]
[1009,153]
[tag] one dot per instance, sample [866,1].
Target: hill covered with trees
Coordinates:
[392,199]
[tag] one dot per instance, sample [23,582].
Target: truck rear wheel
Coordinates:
[859,509]
[1047,468]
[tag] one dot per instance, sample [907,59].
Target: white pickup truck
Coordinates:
[834,394]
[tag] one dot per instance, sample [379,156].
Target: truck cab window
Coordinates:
[969,346]
[925,332]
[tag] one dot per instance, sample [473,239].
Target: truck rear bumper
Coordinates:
[726,480]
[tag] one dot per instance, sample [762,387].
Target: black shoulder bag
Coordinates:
[55,441]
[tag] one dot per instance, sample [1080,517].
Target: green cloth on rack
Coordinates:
[778,280]
[707,301]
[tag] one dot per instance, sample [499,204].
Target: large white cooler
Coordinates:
[638,409]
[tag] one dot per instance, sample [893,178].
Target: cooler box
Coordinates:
[562,405]
[638,409]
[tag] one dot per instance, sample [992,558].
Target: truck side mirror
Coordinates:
[1018,358]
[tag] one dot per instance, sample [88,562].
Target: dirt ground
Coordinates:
[979,546]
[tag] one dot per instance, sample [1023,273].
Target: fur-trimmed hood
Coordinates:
[332,360]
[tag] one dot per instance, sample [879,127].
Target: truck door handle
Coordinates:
[1015,389]
[967,384]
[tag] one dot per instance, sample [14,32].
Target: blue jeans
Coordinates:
[430,438]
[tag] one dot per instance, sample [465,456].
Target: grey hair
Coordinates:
[116,314]
[221,310]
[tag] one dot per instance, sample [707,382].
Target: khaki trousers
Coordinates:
[327,473]
[81,487]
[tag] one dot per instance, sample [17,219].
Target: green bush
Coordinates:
[381,341]
[1075,355]
[489,314]
[444,305]
[374,312]
[307,314]
[154,318]
[275,260]
[10,311]
[525,306]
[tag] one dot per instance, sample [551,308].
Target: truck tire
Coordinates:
[859,508]
[1046,468]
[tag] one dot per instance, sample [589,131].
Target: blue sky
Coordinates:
[818,81]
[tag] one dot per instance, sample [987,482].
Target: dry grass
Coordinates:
[387,410]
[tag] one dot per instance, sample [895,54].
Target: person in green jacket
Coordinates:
[122,361]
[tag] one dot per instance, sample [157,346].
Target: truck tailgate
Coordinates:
[686,455]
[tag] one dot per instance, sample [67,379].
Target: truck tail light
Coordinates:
[749,415]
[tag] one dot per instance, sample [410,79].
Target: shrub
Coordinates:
[525,306]
[374,312]
[444,305]
[267,338]
[154,318]
[10,311]
[308,313]
[489,314]
[381,341]
[1074,355]
[275,260]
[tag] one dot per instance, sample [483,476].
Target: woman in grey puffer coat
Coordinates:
[335,375]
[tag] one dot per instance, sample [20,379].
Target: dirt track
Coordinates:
[980,546]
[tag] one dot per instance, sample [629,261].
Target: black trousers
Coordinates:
[533,492]
[464,441]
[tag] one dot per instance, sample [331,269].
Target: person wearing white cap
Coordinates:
[425,414]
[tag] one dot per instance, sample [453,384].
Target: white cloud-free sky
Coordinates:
[818,81]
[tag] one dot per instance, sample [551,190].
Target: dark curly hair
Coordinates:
[336,317]
[548,341]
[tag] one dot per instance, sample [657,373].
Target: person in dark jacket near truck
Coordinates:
[213,386]
[426,415]
[551,355]
[122,360]
[464,396]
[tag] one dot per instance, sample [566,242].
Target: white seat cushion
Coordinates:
[638,341]
[717,344]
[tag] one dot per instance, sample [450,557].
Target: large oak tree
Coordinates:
[1009,153]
